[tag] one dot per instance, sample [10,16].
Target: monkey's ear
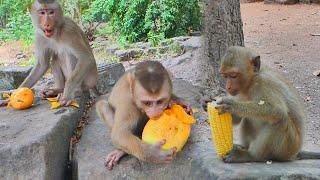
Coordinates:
[130,79]
[256,63]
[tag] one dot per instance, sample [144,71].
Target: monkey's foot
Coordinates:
[113,158]
[49,93]
[237,155]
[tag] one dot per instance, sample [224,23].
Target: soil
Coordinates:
[282,36]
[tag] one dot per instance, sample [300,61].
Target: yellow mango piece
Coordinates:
[173,125]
[74,104]
[55,105]
[53,99]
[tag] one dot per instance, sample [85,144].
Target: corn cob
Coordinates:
[221,130]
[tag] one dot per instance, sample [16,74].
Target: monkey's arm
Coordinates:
[271,110]
[122,136]
[43,58]
[236,119]
[85,64]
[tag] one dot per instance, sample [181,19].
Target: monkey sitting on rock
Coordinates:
[268,108]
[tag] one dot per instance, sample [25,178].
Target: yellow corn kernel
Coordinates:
[221,130]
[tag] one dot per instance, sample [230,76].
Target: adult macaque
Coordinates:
[271,112]
[142,93]
[59,39]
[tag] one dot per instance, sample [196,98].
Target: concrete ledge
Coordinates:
[34,143]
[12,77]
[208,166]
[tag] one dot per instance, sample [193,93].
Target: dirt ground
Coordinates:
[282,35]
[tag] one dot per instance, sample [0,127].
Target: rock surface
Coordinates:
[34,143]
[12,77]
[95,144]
[210,167]
[108,76]
[196,161]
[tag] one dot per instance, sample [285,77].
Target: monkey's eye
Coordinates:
[159,102]
[147,103]
[42,13]
[51,12]
[233,76]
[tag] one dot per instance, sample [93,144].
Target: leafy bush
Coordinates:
[133,20]
[138,20]
[15,20]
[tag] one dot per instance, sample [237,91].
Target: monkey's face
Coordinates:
[152,104]
[234,80]
[47,21]
[46,17]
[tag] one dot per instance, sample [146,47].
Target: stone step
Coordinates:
[12,77]
[34,143]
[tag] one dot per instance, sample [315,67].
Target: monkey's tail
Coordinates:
[308,155]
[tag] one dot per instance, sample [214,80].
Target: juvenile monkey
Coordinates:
[142,93]
[60,40]
[269,108]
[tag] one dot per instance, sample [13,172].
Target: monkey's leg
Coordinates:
[257,148]
[238,155]
[58,78]
[105,111]
[247,133]
[106,114]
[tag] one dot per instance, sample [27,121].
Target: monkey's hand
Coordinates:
[226,104]
[155,154]
[49,93]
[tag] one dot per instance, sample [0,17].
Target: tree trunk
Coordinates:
[222,28]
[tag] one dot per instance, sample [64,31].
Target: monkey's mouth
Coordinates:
[48,32]
[233,92]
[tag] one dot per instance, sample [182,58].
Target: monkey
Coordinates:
[268,108]
[61,43]
[141,93]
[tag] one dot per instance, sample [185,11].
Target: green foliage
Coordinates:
[15,21]
[138,20]
[97,12]
[132,20]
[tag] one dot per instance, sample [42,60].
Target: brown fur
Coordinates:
[123,112]
[72,61]
[151,75]
[270,109]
